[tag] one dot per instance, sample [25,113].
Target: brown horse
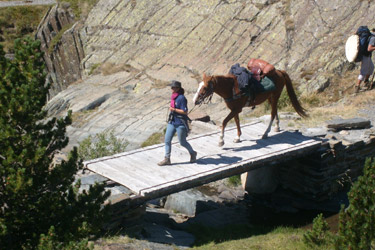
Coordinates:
[224,85]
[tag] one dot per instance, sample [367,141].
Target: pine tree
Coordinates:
[319,234]
[36,195]
[357,222]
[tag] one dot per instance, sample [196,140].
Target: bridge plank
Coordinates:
[113,173]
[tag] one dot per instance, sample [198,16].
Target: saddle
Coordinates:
[260,68]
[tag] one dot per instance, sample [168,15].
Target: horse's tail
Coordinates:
[292,95]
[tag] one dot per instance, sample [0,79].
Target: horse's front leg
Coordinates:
[225,122]
[238,138]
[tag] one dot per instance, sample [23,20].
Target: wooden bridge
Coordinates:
[138,170]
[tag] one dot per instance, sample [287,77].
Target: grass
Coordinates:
[110,68]
[208,236]
[56,39]
[279,238]
[19,22]
[261,235]
[246,237]
[117,240]
[80,8]
[80,117]
[235,237]
[155,138]
[93,68]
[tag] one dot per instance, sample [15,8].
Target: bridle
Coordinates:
[207,96]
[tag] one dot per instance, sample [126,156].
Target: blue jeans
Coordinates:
[181,134]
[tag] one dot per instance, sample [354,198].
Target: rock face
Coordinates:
[62,47]
[181,39]
[126,52]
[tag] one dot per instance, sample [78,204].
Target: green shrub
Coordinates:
[49,242]
[357,222]
[234,180]
[100,145]
[283,100]
[93,68]
[282,103]
[319,233]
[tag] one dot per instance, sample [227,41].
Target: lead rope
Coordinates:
[192,109]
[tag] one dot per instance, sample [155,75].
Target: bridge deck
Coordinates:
[138,169]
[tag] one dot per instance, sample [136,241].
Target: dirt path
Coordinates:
[4,4]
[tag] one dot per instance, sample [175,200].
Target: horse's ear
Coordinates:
[204,75]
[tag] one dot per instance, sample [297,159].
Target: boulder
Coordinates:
[190,202]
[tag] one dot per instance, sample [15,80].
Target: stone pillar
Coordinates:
[260,181]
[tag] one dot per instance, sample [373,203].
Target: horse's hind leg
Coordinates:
[273,116]
[277,128]
[265,135]
[237,120]
[221,139]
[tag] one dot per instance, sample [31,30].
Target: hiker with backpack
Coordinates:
[366,46]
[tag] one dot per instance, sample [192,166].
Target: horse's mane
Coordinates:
[218,78]
[227,79]
[224,76]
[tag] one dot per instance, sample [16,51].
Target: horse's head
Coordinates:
[205,90]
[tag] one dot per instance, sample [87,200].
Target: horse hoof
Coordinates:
[221,144]
[236,140]
[264,136]
[277,130]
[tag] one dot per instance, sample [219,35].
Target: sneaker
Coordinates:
[166,161]
[193,157]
